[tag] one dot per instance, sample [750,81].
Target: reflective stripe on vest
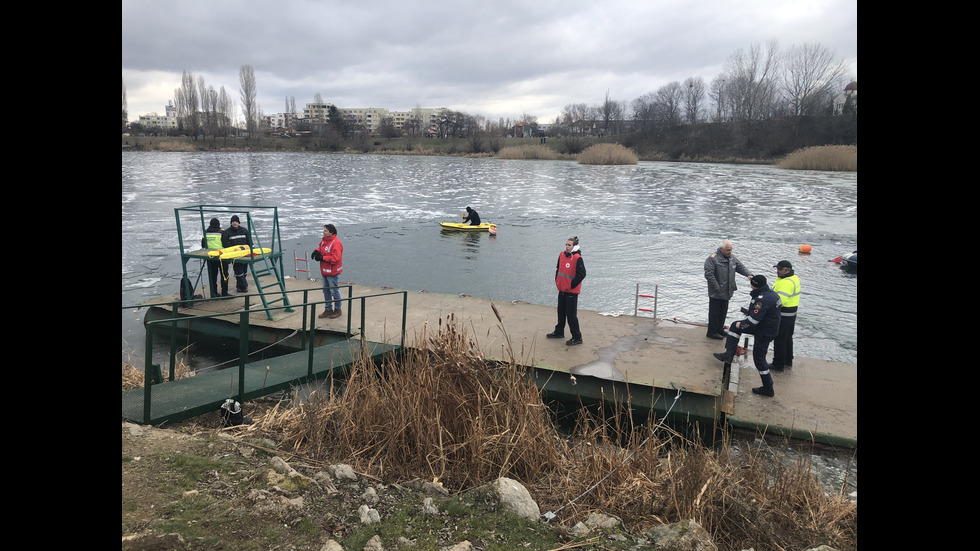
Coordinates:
[214,240]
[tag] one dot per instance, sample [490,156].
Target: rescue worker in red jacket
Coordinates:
[330,254]
[568,278]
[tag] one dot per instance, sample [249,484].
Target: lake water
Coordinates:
[651,224]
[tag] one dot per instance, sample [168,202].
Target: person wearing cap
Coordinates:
[787,286]
[472,217]
[720,269]
[217,270]
[762,321]
[235,235]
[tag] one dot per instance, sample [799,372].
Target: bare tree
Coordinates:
[719,94]
[752,82]
[186,102]
[812,77]
[246,77]
[694,93]
[225,110]
[610,113]
[644,112]
[125,113]
[668,106]
[290,114]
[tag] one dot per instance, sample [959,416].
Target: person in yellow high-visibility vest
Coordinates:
[217,270]
[787,286]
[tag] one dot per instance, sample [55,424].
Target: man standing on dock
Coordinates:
[217,270]
[330,254]
[720,269]
[787,286]
[762,321]
[238,235]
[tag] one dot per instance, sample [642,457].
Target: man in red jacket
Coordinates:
[330,253]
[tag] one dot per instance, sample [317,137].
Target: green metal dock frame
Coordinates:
[161,400]
[261,265]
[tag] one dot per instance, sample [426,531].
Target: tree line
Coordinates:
[759,83]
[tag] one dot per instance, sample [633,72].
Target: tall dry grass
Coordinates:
[445,412]
[825,157]
[528,152]
[608,154]
[132,376]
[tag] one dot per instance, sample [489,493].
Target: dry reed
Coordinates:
[443,412]
[608,154]
[528,152]
[132,377]
[841,158]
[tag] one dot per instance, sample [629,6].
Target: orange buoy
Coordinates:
[805,249]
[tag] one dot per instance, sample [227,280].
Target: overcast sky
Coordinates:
[496,58]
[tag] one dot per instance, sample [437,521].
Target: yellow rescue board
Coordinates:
[219,252]
[246,252]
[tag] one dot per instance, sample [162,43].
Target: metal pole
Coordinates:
[656,293]
[636,299]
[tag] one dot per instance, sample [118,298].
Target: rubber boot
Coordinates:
[727,356]
[766,388]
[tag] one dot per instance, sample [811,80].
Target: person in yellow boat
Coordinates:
[217,270]
[472,217]
[236,234]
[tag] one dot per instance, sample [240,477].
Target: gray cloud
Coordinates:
[498,58]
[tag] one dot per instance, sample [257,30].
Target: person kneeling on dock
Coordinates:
[763,323]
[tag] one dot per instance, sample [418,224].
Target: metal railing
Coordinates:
[152,373]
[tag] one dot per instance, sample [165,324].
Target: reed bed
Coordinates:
[608,154]
[444,412]
[528,152]
[841,158]
[132,376]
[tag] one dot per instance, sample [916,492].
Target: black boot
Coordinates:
[764,391]
[726,356]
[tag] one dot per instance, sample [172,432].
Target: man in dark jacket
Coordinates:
[762,321]
[472,217]
[236,234]
[720,269]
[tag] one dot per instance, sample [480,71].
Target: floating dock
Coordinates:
[654,364]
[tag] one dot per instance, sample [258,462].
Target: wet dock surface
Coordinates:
[815,399]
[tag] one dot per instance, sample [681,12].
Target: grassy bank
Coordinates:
[600,150]
[444,413]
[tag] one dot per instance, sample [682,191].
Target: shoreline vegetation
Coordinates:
[596,151]
[464,421]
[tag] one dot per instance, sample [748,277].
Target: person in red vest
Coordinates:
[330,254]
[568,278]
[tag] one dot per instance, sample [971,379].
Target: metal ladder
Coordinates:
[267,268]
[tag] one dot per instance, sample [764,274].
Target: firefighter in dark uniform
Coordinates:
[762,321]
[237,234]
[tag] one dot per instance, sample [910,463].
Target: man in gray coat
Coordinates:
[720,269]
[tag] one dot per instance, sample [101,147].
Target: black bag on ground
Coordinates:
[231,414]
